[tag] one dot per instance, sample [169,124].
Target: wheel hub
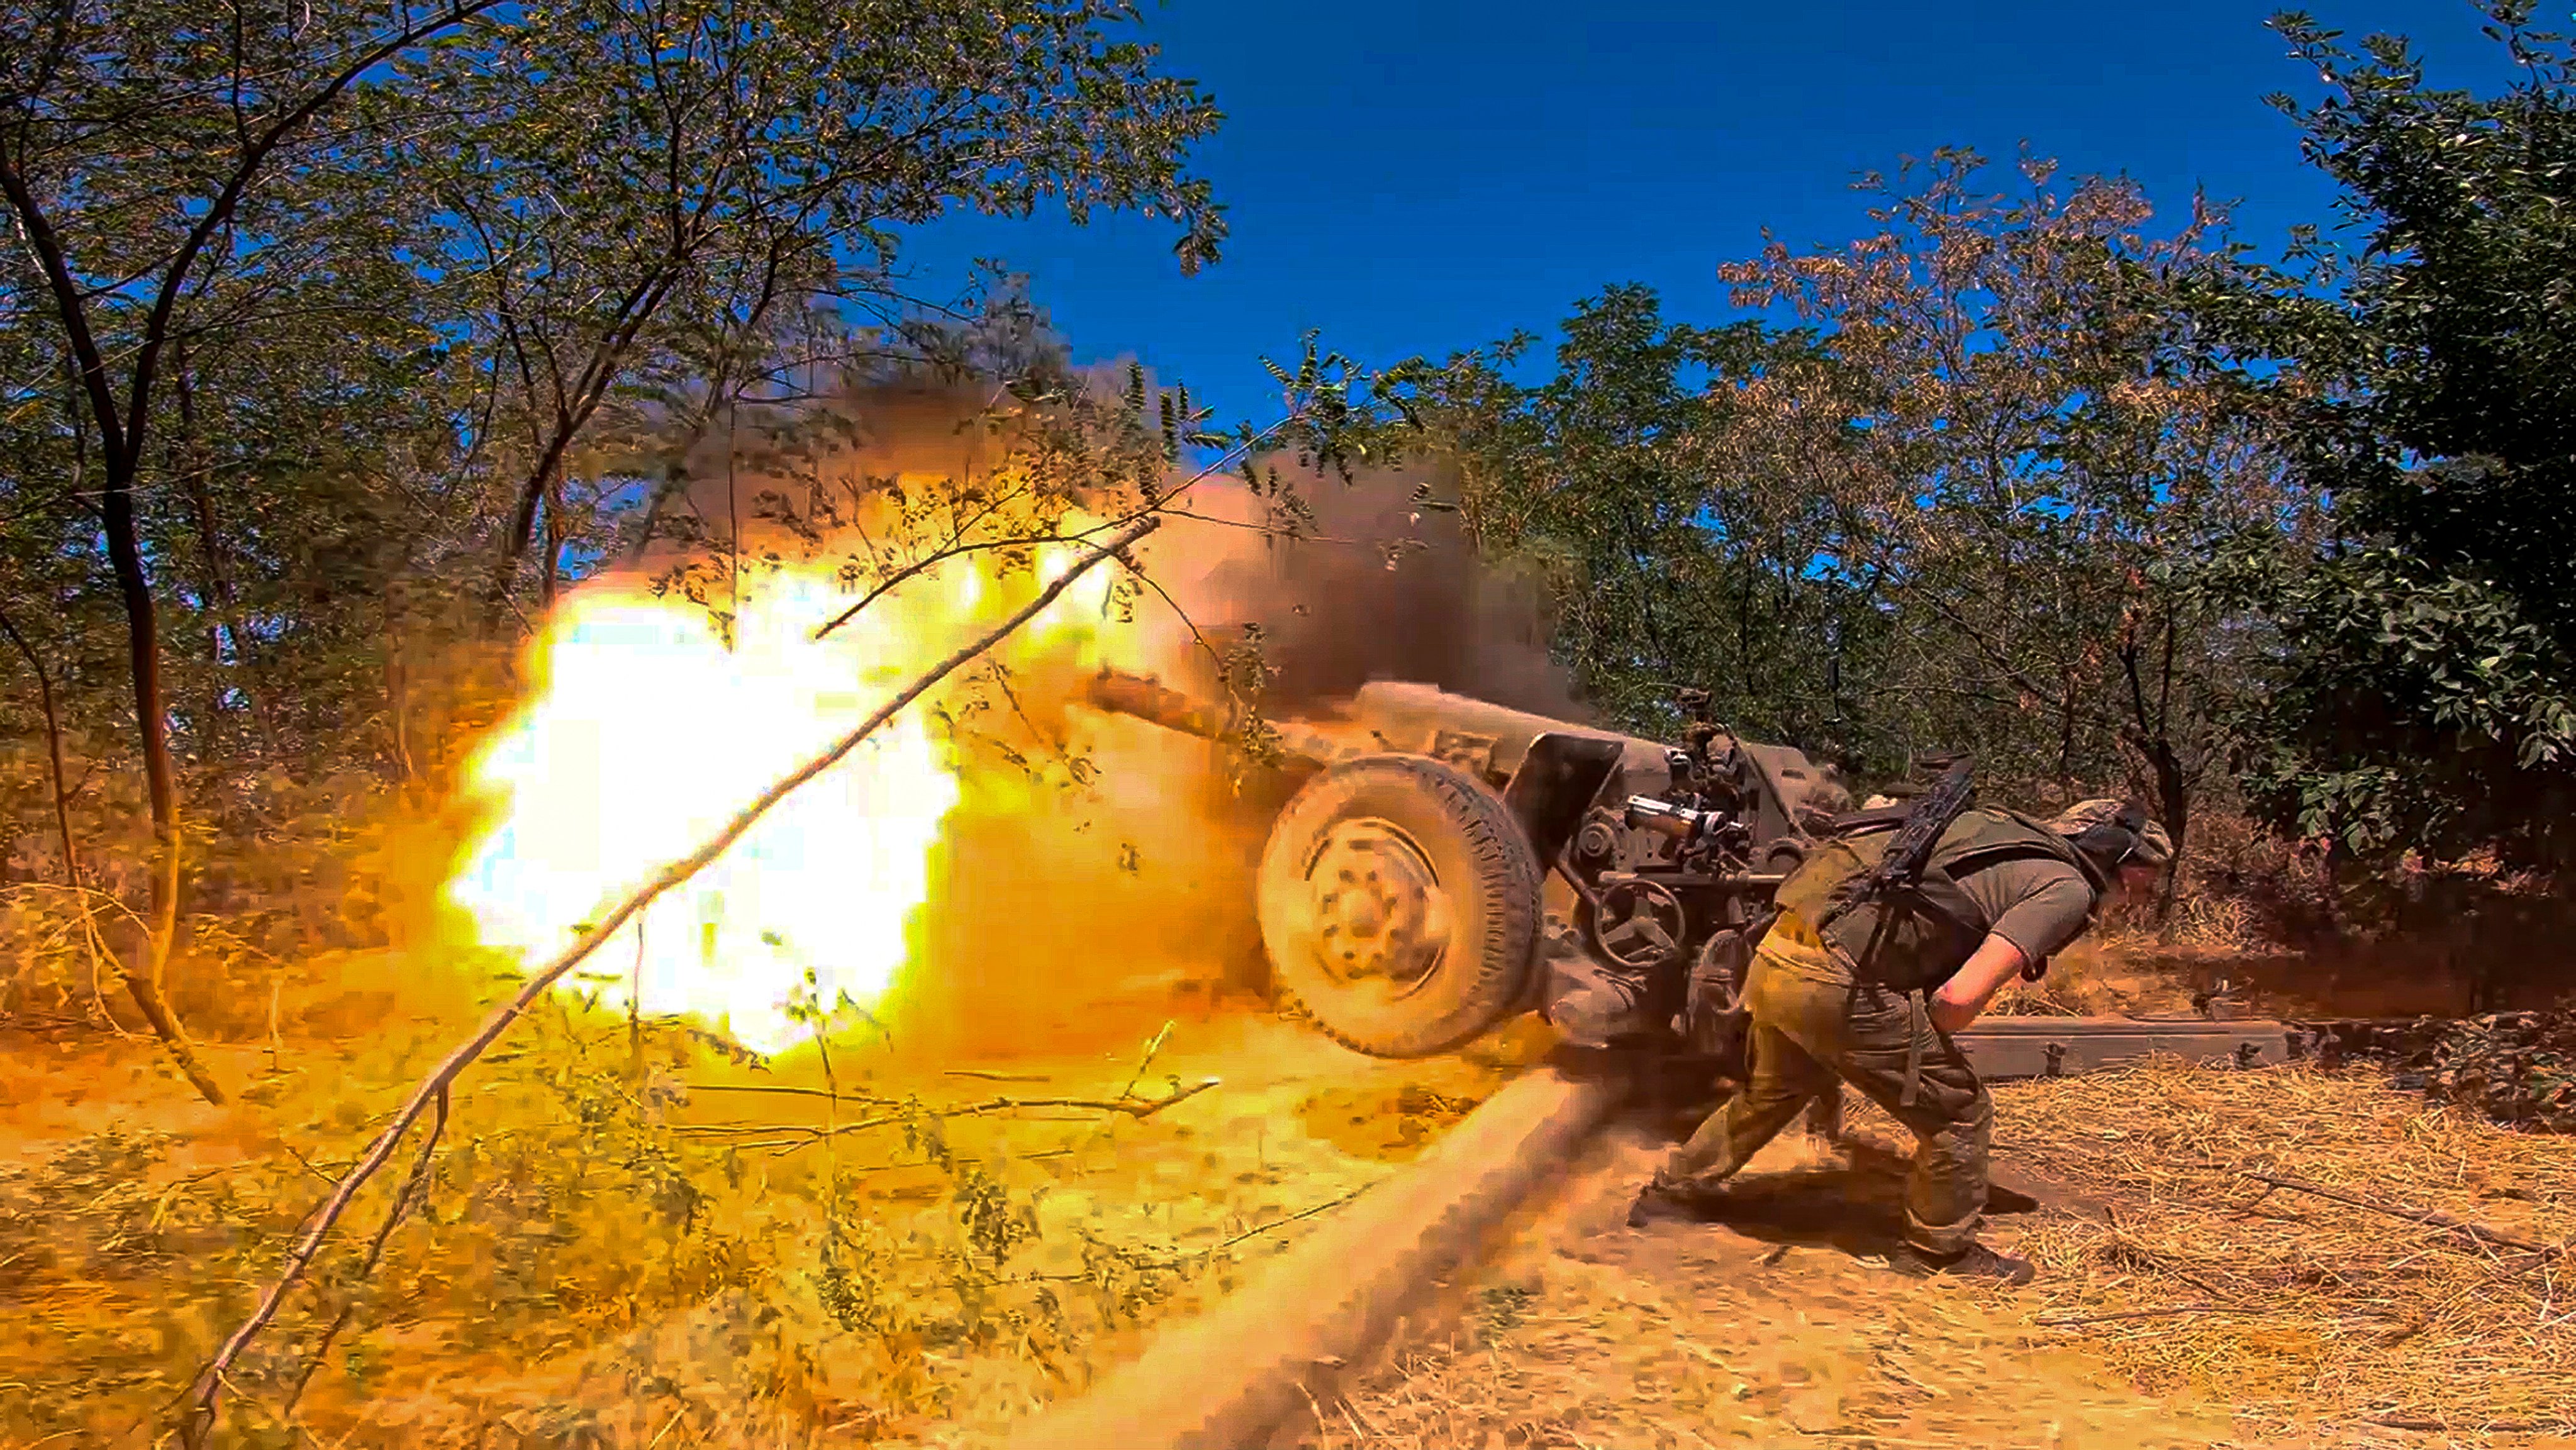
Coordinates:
[1378,909]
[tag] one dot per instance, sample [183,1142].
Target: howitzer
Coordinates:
[1440,861]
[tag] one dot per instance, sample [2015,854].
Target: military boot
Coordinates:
[1670,1200]
[1976,1261]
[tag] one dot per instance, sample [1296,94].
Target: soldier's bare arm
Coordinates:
[1967,992]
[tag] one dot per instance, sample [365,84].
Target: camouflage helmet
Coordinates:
[2116,831]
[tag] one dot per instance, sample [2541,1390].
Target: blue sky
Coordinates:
[1420,177]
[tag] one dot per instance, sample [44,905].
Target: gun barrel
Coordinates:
[1148,699]
[1121,692]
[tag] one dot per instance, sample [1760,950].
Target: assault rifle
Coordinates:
[1890,885]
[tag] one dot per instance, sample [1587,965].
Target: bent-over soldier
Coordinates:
[2004,893]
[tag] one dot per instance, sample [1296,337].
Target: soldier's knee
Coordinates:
[1966,1132]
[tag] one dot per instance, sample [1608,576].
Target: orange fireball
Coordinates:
[644,733]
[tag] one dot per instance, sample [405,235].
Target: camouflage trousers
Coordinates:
[1814,1029]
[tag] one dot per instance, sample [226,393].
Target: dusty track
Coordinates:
[1270,1354]
[1778,1328]
[1231,1376]
[1574,1329]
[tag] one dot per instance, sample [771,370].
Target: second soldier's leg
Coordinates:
[1951,1117]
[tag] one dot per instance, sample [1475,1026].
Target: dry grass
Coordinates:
[1619,1367]
[2180,1303]
[592,1273]
[2299,1308]
[1585,1333]
[589,1267]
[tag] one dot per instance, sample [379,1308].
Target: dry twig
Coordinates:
[791,1136]
[2473,1230]
[198,1416]
[414,1188]
[2167,1313]
[2492,1427]
[1304,1213]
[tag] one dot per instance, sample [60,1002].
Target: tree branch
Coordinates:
[787,1137]
[200,1411]
[219,212]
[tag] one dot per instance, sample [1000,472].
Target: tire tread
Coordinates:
[1505,940]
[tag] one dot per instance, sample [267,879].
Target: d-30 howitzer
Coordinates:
[1405,887]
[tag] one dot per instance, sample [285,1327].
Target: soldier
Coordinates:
[2023,890]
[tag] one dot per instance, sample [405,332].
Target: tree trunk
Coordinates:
[227,629]
[2066,740]
[54,758]
[2173,808]
[152,721]
[553,558]
[535,495]
[398,711]
[90,937]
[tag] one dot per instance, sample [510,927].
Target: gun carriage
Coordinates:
[1437,856]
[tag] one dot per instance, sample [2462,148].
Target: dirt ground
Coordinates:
[2176,1308]
[544,1297]
[1780,1325]
[1588,1334]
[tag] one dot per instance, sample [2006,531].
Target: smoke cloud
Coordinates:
[1382,585]
[1095,864]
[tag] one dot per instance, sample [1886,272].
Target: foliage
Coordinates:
[1679,553]
[2035,470]
[2418,696]
[2517,1070]
[325,317]
[2410,710]
[1965,496]
[589,1262]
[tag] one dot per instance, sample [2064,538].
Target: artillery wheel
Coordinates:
[1399,902]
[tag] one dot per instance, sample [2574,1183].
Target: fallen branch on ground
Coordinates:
[1153,1049]
[2492,1427]
[789,1137]
[198,1417]
[1212,1250]
[2166,1313]
[2476,1231]
[874,1100]
[1304,1213]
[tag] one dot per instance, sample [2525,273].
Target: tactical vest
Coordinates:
[1938,926]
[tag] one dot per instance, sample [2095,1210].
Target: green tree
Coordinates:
[652,211]
[1678,547]
[336,289]
[1965,498]
[2419,691]
[2034,463]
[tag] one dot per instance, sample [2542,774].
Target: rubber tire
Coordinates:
[1482,859]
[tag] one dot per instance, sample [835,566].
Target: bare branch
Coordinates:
[433,1088]
[788,1137]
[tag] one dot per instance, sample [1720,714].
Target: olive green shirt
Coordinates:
[2038,905]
